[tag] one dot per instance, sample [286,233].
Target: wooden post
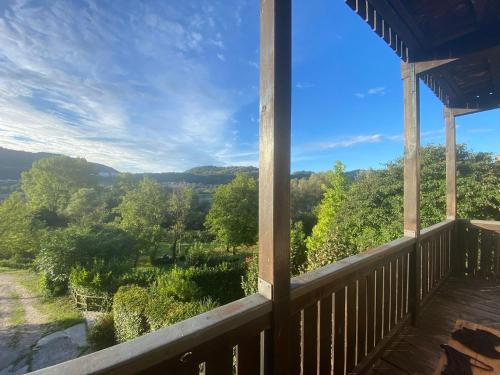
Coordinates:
[274,178]
[451,164]
[412,176]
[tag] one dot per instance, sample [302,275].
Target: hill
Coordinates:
[13,163]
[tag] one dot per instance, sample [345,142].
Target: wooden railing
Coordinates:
[478,248]
[434,258]
[342,315]
[207,344]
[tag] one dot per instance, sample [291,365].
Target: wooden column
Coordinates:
[412,177]
[274,177]
[451,164]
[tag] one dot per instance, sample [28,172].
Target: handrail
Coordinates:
[328,274]
[486,224]
[429,231]
[167,343]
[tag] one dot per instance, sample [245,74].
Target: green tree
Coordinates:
[179,204]
[50,182]
[87,206]
[61,250]
[233,218]
[20,231]
[334,194]
[298,248]
[142,212]
[306,194]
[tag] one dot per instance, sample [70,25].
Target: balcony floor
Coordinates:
[416,349]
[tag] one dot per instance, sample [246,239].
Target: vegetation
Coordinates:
[157,253]
[233,217]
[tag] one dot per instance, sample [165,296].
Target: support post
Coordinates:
[274,178]
[451,164]
[412,176]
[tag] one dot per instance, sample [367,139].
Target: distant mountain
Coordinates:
[211,170]
[13,163]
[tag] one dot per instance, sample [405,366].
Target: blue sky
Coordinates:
[167,85]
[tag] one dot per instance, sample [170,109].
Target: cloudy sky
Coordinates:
[167,85]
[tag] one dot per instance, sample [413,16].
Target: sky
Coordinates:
[166,85]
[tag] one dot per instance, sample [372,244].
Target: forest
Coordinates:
[148,255]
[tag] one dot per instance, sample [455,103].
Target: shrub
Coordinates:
[163,310]
[178,284]
[129,303]
[250,278]
[220,282]
[51,287]
[141,277]
[102,333]
[64,249]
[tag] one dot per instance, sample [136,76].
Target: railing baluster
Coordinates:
[362,310]
[379,302]
[351,326]
[325,344]
[387,298]
[393,278]
[221,362]
[295,343]
[310,346]
[249,356]
[370,311]
[339,337]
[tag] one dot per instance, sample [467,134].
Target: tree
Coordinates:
[233,218]
[179,204]
[371,212]
[61,250]
[50,182]
[298,249]
[19,230]
[334,194]
[87,206]
[142,212]
[306,194]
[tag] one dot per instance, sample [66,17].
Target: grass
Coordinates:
[60,311]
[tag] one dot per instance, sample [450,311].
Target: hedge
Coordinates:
[129,303]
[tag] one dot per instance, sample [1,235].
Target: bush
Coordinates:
[51,287]
[222,282]
[102,333]
[250,278]
[178,284]
[163,310]
[141,277]
[63,249]
[129,303]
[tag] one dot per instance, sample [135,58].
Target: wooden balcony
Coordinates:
[362,314]
[366,312]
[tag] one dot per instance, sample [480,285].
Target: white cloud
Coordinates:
[351,141]
[379,90]
[128,88]
[304,85]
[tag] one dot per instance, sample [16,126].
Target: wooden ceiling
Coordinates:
[454,43]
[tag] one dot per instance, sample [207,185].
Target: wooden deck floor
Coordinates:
[416,349]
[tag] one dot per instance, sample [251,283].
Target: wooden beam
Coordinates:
[424,66]
[411,150]
[274,177]
[411,204]
[468,111]
[451,164]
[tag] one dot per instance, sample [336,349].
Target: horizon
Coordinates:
[165,87]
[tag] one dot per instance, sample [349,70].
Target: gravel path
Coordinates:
[16,341]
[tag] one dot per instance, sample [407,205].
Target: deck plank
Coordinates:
[468,299]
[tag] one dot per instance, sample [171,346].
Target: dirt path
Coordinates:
[21,325]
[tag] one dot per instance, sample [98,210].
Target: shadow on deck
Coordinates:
[416,349]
